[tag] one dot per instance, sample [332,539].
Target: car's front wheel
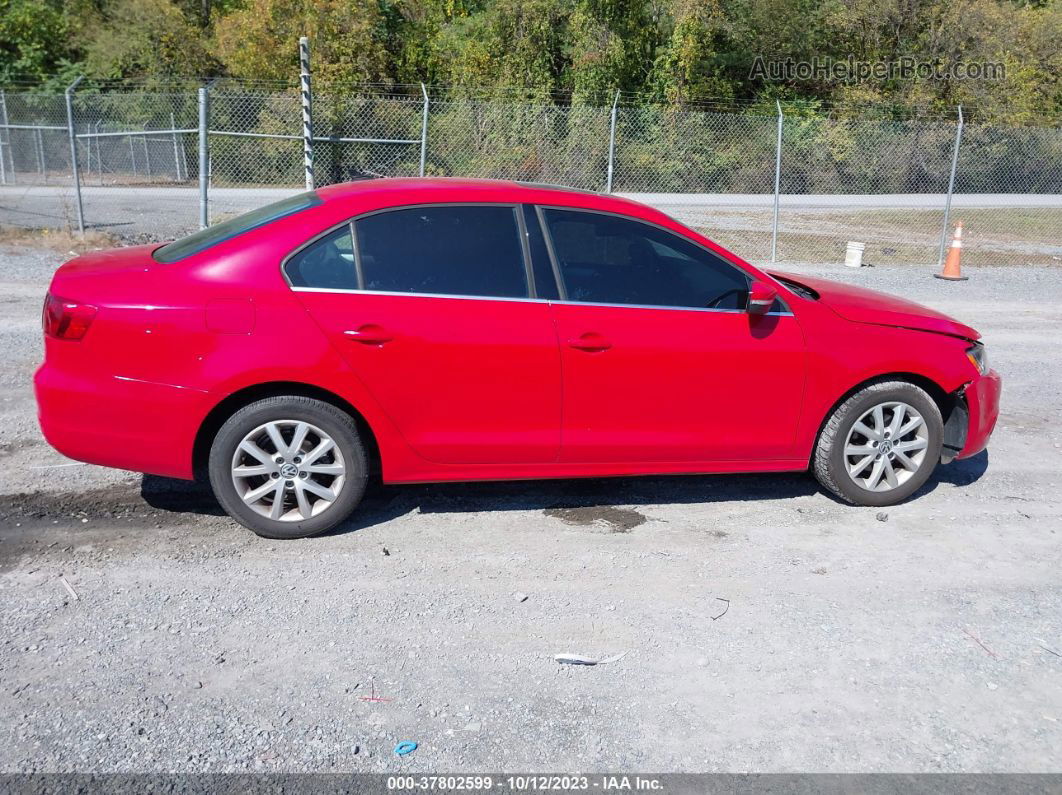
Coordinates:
[288,467]
[881,445]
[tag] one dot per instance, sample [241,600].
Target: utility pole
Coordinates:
[307,111]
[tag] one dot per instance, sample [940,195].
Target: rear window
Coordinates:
[226,230]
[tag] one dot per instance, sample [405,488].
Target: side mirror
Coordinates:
[761,298]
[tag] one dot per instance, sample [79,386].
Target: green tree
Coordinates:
[260,40]
[413,40]
[33,39]
[688,65]
[144,39]
[512,44]
[612,46]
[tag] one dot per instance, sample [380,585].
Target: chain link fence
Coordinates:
[881,183]
[783,188]
[713,171]
[35,157]
[508,140]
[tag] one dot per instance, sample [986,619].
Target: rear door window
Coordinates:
[466,250]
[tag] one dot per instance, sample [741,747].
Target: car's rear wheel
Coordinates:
[881,445]
[288,467]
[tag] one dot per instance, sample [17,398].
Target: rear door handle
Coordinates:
[369,334]
[591,342]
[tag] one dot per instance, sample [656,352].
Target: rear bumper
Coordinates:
[118,422]
[982,403]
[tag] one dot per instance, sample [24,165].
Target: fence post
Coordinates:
[184,160]
[951,189]
[99,153]
[94,130]
[38,151]
[204,158]
[5,142]
[147,152]
[307,114]
[69,95]
[777,184]
[176,148]
[424,130]
[611,144]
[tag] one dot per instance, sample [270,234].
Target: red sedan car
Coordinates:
[468,330]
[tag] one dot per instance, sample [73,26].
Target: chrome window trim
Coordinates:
[531,301]
[395,294]
[787,313]
[525,248]
[548,235]
[517,219]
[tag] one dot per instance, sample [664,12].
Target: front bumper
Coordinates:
[982,405]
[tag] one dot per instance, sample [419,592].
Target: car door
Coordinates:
[434,309]
[660,361]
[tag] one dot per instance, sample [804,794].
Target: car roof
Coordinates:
[434,184]
[414,190]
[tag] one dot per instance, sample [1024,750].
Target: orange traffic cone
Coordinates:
[952,267]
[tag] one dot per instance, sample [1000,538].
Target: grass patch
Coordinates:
[58,240]
[893,236]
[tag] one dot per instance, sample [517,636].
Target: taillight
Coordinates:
[66,320]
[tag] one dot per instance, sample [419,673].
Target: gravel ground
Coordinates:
[766,627]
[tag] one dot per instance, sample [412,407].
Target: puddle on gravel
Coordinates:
[618,520]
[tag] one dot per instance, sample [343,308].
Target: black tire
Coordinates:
[829,461]
[338,425]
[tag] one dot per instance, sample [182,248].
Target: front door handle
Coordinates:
[591,342]
[369,334]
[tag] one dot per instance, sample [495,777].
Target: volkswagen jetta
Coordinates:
[446,330]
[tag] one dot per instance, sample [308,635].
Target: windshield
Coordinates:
[226,230]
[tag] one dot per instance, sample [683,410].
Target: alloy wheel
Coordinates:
[886,446]
[288,470]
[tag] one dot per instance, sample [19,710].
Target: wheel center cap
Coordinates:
[289,470]
[885,447]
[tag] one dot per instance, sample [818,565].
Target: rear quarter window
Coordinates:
[326,264]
